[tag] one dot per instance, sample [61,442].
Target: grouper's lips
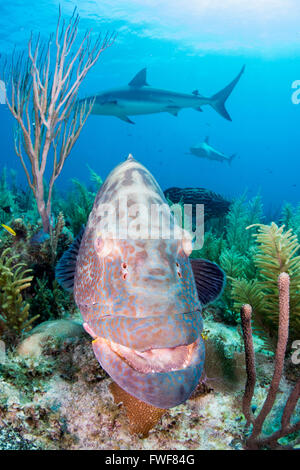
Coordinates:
[163,377]
[155,360]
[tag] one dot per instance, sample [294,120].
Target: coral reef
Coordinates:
[215,204]
[277,252]
[232,249]
[142,417]
[56,331]
[52,365]
[38,395]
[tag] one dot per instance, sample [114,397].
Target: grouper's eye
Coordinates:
[124,270]
[105,247]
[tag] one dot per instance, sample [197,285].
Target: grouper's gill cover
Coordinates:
[138,297]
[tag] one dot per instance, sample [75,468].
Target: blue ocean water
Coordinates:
[185,46]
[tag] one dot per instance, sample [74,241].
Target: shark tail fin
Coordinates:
[231,158]
[218,100]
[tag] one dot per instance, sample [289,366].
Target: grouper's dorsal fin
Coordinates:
[209,279]
[140,79]
[65,268]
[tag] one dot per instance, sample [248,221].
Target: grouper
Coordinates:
[139,293]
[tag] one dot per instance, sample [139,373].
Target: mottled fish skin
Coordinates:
[155,306]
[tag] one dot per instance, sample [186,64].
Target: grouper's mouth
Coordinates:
[162,377]
[155,360]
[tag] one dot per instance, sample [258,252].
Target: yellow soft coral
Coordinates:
[14,278]
[277,251]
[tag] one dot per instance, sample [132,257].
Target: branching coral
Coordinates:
[232,249]
[212,247]
[14,278]
[288,426]
[95,178]
[55,233]
[43,100]
[276,252]
[50,300]
[77,205]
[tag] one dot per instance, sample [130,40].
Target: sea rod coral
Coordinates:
[256,440]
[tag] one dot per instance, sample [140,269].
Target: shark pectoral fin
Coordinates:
[140,79]
[174,110]
[125,118]
[209,279]
[65,268]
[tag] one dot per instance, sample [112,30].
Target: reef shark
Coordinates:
[139,98]
[205,150]
[141,298]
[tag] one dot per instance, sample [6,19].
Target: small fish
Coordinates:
[39,237]
[7,209]
[205,334]
[205,150]
[9,229]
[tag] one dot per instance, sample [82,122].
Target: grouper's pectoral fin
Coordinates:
[142,417]
[125,118]
[209,278]
[65,268]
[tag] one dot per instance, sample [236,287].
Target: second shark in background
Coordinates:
[205,150]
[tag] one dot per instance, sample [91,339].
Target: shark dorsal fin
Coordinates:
[206,140]
[140,79]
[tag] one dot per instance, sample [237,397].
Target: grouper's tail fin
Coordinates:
[218,100]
